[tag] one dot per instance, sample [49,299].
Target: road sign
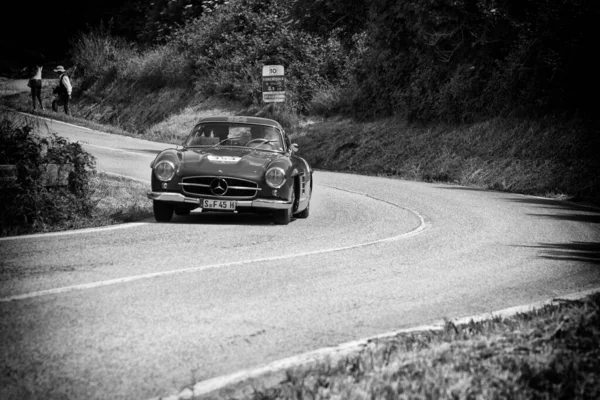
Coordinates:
[273,84]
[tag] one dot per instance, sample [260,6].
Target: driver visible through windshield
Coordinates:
[227,134]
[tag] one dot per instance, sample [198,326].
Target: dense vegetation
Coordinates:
[550,353]
[436,60]
[29,205]
[489,93]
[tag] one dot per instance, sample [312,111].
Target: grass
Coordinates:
[117,200]
[550,353]
[546,157]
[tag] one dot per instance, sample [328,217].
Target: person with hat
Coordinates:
[63,90]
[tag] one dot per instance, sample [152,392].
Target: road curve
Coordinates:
[147,309]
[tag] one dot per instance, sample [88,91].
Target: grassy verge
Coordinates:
[550,353]
[22,102]
[549,157]
[116,200]
[119,200]
[544,157]
[33,203]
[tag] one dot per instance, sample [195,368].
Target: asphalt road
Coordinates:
[148,308]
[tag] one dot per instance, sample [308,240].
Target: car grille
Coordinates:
[219,186]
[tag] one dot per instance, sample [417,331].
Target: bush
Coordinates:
[97,53]
[455,61]
[158,67]
[27,206]
[229,46]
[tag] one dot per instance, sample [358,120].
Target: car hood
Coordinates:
[243,163]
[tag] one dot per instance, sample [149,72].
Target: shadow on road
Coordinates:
[218,218]
[560,210]
[575,212]
[574,251]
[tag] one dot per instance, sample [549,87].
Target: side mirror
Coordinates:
[294,147]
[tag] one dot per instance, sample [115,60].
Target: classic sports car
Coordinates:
[232,164]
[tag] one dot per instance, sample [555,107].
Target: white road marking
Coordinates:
[58,121]
[125,177]
[331,354]
[74,232]
[423,225]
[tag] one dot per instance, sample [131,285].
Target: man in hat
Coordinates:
[63,90]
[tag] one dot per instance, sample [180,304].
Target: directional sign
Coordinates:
[273,83]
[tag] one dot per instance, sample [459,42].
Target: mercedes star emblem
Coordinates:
[218,186]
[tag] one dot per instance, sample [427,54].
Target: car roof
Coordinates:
[241,120]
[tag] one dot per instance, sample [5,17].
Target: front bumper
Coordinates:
[257,203]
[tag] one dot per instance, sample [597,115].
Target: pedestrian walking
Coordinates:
[35,84]
[62,90]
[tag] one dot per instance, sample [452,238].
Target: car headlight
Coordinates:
[164,170]
[275,177]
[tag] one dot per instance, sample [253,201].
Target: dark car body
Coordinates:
[232,164]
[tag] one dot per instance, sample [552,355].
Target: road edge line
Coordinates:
[274,372]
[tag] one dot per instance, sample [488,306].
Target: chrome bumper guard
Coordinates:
[258,203]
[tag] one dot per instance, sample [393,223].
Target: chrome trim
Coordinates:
[164,162]
[245,188]
[252,189]
[272,204]
[230,187]
[173,197]
[215,176]
[258,203]
[282,182]
[193,184]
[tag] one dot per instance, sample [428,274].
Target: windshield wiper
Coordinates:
[265,142]
[220,143]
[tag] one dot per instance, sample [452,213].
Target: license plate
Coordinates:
[218,204]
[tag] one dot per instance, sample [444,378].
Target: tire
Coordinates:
[163,212]
[182,211]
[304,213]
[283,217]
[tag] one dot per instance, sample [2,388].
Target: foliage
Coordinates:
[445,60]
[98,55]
[457,60]
[543,157]
[103,60]
[229,46]
[28,206]
[161,18]
[339,18]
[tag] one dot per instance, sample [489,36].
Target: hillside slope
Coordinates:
[546,157]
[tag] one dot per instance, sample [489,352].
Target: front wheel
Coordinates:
[304,213]
[182,211]
[283,217]
[163,212]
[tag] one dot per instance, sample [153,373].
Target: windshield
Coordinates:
[260,137]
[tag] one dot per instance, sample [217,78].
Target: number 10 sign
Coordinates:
[273,84]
